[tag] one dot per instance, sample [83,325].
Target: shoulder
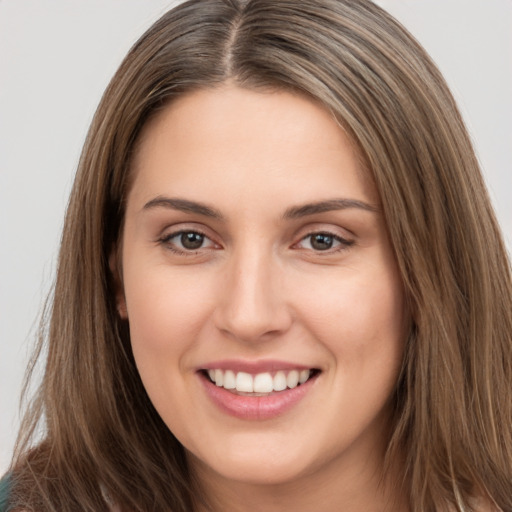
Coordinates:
[4,493]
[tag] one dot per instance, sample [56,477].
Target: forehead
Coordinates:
[229,137]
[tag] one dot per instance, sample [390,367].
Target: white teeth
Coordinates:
[293,379]
[259,383]
[304,376]
[219,377]
[244,382]
[229,380]
[279,381]
[263,383]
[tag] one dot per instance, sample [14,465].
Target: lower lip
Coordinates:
[255,407]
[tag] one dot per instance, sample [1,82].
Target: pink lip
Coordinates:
[255,407]
[253,367]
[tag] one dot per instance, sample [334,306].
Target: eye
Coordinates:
[323,242]
[187,241]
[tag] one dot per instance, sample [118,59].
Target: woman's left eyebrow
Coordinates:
[296,212]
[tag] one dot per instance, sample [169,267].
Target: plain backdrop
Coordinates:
[57,56]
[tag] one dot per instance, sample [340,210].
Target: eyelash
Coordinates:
[166,240]
[344,244]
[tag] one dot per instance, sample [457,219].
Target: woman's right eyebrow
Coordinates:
[183,205]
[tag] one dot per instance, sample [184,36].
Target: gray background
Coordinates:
[56,57]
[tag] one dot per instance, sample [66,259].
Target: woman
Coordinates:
[281,284]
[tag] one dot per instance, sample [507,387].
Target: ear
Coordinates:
[114,263]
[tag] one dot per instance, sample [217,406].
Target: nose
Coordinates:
[252,303]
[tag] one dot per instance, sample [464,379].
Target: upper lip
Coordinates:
[254,367]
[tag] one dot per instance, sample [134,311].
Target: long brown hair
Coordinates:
[453,408]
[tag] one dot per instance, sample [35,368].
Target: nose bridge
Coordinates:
[253,303]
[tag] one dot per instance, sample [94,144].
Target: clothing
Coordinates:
[4,493]
[5,486]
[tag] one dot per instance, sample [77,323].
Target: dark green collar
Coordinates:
[5,486]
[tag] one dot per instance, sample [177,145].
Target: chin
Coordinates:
[266,467]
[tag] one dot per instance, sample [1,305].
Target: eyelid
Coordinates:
[175,231]
[344,242]
[175,234]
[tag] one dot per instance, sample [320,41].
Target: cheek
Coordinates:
[363,306]
[360,320]
[166,311]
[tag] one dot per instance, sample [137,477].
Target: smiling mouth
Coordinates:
[260,384]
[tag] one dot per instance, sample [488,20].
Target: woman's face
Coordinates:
[265,308]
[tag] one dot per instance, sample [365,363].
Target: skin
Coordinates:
[259,289]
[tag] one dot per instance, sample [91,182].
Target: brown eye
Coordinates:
[187,242]
[191,240]
[324,242]
[321,241]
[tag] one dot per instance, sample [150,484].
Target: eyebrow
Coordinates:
[183,205]
[295,212]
